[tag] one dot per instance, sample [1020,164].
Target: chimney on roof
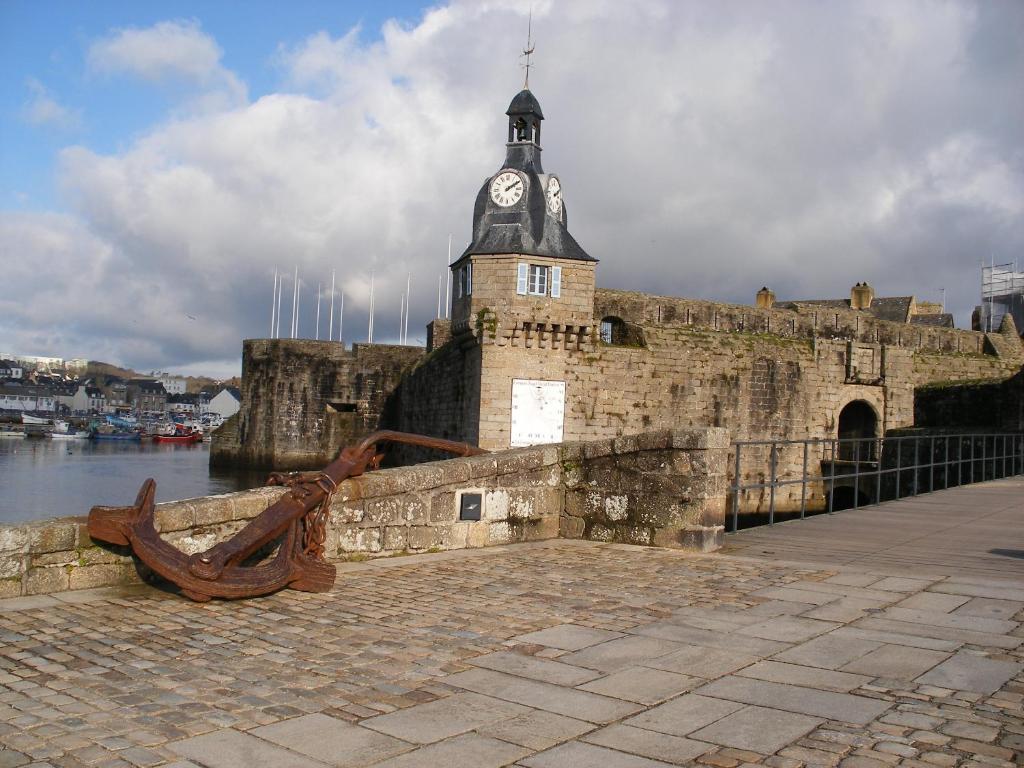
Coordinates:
[861,296]
[765,298]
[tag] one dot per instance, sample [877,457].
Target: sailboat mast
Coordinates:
[273,302]
[330,325]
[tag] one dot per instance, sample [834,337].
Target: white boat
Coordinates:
[15,433]
[26,419]
[62,431]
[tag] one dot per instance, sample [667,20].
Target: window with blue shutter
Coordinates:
[522,278]
[556,282]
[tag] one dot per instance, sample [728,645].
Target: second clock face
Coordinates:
[554,195]
[507,188]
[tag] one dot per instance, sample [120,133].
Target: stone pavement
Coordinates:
[557,654]
[973,529]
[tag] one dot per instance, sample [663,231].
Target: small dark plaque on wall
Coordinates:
[469,508]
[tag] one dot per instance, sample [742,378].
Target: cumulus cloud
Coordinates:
[44,110]
[169,52]
[704,149]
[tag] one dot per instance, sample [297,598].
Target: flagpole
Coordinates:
[369,335]
[273,302]
[401,319]
[408,301]
[318,310]
[298,295]
[295,298]
[280,290]
[330,325]
[448,281]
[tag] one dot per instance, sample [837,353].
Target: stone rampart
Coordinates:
[664,488]
[303,400]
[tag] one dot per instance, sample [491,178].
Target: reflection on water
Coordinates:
[42,478]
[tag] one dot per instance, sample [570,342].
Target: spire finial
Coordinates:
[528,50]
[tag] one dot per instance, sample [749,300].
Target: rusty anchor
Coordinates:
[298,518]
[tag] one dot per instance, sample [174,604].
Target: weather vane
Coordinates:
[528,50]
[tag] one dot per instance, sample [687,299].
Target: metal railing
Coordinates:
[871,470]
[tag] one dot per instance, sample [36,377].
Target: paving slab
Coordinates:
[950,620]
[854,579]
[642,685]
[621,653]
[577,754]
[1005,592]
[751,646]
[844,610]
[732,615]
[788,629]
[332,741]
[902,584]
[844,707]
[537,669]
[843,590]
[896,662]
[897,638]
[791,594]
[933,601]
[968,672]
[536,729]
[467,751]
[940,633]
[568,637]
[651,744]
[684,715]
[701,661]
[990,608]
[228,748]
[758,729]
[450,716]
[829,651]
[809,677]
[582,705]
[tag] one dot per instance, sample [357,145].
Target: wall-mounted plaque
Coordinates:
[538,412]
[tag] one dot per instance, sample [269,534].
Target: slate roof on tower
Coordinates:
[531,226]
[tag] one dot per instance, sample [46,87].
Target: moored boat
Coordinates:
[178,433]
[27,419]
[63,430]
[97,435]
[6,432]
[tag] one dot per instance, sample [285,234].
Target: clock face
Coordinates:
[507,188]
[554,195]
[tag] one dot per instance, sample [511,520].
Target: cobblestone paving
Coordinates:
[540,655]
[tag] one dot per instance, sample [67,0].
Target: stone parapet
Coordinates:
[665,488]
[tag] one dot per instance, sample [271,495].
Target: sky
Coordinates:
[160,161]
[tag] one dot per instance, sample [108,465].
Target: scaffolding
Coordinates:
[1002,293]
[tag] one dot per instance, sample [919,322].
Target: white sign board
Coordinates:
[538,410]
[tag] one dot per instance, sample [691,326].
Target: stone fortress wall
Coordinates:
[760,373]
[663,488]
[302,400]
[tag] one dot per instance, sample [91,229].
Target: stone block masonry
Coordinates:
[665,488]
[303,400]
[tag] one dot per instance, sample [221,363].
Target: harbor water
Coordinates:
[42,478]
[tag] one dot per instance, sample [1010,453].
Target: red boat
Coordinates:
[179,434]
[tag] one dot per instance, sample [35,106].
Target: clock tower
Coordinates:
[523,292]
